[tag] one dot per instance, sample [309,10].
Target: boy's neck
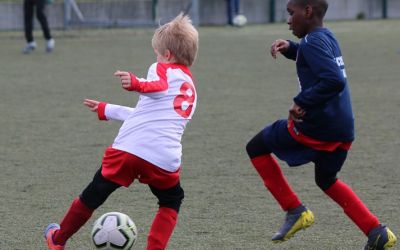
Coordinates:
[169,62]
[315,24]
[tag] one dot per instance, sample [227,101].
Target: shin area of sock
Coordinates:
[275,181]
[77,215]
[161,229]
[352,206]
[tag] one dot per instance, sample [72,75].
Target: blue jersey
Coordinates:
[324,92]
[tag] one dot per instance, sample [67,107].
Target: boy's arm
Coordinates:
[291,53]
[106,111]
[286,47]
[331,78]
[154,87]
[109,111]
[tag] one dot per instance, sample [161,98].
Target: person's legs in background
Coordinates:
[233,7]
[40,8]
[28,26]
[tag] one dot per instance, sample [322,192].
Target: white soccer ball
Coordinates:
[114,230]
[240,20]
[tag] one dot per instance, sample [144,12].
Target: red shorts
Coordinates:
[123,168]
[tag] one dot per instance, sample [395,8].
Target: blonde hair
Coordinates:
[180,37]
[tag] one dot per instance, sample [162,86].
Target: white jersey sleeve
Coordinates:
[117,112]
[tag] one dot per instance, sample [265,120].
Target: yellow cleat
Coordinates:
[297,219]
[380,238]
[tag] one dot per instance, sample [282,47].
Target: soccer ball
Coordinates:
[114,230]
[239,20]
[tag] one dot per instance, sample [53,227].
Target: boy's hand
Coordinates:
[296,113]
[279,45]
[125,78]
[93,105]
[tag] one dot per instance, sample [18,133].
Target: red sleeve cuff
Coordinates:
[101,111]
[134,83]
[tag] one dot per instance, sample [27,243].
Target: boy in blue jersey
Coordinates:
[319,129]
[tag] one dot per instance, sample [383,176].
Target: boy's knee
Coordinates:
[327,165]
[324,182]
[256,146]
[171,197]
[97,192]
[249,148]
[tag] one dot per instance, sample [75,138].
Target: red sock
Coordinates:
[269,170]
[77,215]
[352,206]
[162,228]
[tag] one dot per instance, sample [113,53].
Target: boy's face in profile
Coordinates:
[297,20]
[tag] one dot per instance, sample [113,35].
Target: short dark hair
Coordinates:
[319,6]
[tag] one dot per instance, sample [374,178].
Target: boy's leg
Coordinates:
[275,181]
[352,206]
[76,216]
[28,20]
[298,216]
[169,201]
[327,165]
[271,173]
[81,209]
[379,236]
[40,6]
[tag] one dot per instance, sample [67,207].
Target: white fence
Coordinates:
[122,13]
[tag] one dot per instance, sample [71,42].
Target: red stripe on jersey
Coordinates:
[316,144]
[144,86]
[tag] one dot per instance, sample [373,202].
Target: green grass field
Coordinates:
[51,145]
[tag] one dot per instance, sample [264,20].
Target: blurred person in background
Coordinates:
[29,7]
[233,8]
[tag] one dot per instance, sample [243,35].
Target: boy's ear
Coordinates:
[168,54]
[308,11]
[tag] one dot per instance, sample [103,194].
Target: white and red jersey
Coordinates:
[154,128]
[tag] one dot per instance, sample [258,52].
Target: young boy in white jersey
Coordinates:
[148,146]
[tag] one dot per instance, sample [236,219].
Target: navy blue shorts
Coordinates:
[278,141]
